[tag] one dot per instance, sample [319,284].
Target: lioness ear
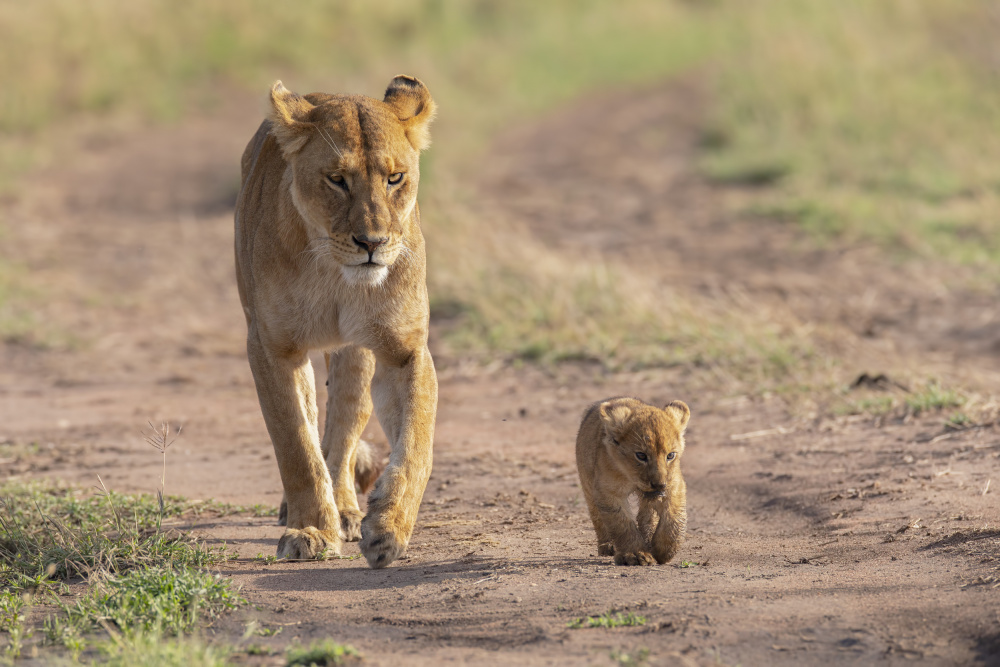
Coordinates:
[413,105]
[614,416]
[679,411]
[288,118]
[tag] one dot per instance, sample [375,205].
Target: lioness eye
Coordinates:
[641,456]
[395,178]
[336,180]
[671,456]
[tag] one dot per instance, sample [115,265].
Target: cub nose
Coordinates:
[368,244]
[659,488]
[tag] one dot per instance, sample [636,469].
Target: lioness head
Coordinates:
[354,164]
[646,443]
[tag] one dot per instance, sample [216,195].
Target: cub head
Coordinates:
[645,442]
[355,167]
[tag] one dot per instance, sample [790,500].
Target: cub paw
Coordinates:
[283,513]
[307,543]
[380,547]
[606,549]
[635,558]
[350,524]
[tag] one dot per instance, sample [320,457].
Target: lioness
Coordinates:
[626,447]
[329,255]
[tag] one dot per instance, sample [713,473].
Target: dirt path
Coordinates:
[811,541]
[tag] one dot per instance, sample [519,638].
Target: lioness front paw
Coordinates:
[309,542]
[606,549]
[379,546]
[350,524]
[635,558]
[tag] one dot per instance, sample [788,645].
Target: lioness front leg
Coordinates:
[405,399]
[348,409]
[629,546]
[287,393]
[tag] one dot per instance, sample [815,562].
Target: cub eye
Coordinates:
[641,456]
[336,180]
[394,179]
[671,456]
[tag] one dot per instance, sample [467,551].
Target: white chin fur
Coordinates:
[365,275]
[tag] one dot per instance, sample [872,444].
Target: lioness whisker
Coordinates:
[330,142]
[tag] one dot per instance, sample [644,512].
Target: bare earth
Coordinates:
[813,539]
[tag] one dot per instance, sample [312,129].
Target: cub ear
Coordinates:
[413,105]
[288,118]
[614,415]
[679,411]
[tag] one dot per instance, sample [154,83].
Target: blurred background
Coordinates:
[853,124]
[785,212]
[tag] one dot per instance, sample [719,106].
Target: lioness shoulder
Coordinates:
[624,448]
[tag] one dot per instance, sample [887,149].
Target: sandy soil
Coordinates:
[813,539]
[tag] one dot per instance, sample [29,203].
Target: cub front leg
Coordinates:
[405,397]
[287,394]
[669,534]
[348,409]
[629,546]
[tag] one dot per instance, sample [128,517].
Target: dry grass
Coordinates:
[854,119]
[531,304]
[867,120]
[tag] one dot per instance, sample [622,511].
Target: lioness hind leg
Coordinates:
[348,409]
[406,400]
[367,467]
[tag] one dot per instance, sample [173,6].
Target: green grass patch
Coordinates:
[636,658]
[933,397]
[873,405]
[145,580]
[607,620]
[13,612]
[50,533]
[161,600]
[326,653]
[155,650]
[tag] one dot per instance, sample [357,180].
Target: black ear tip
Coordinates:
[405,81]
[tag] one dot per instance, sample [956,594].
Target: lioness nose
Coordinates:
[368,244]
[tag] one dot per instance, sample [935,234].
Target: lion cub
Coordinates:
[627,447]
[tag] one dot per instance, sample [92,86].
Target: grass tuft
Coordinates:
[934,397]
[157,600]
[324,653]
[53,534]
[151,649]
[607,620]
[637,658]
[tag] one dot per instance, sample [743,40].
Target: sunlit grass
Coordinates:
[865,120]
[854,120]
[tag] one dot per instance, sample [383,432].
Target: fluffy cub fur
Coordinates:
[624,448]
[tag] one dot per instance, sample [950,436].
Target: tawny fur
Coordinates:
[611,435]
[330,256]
